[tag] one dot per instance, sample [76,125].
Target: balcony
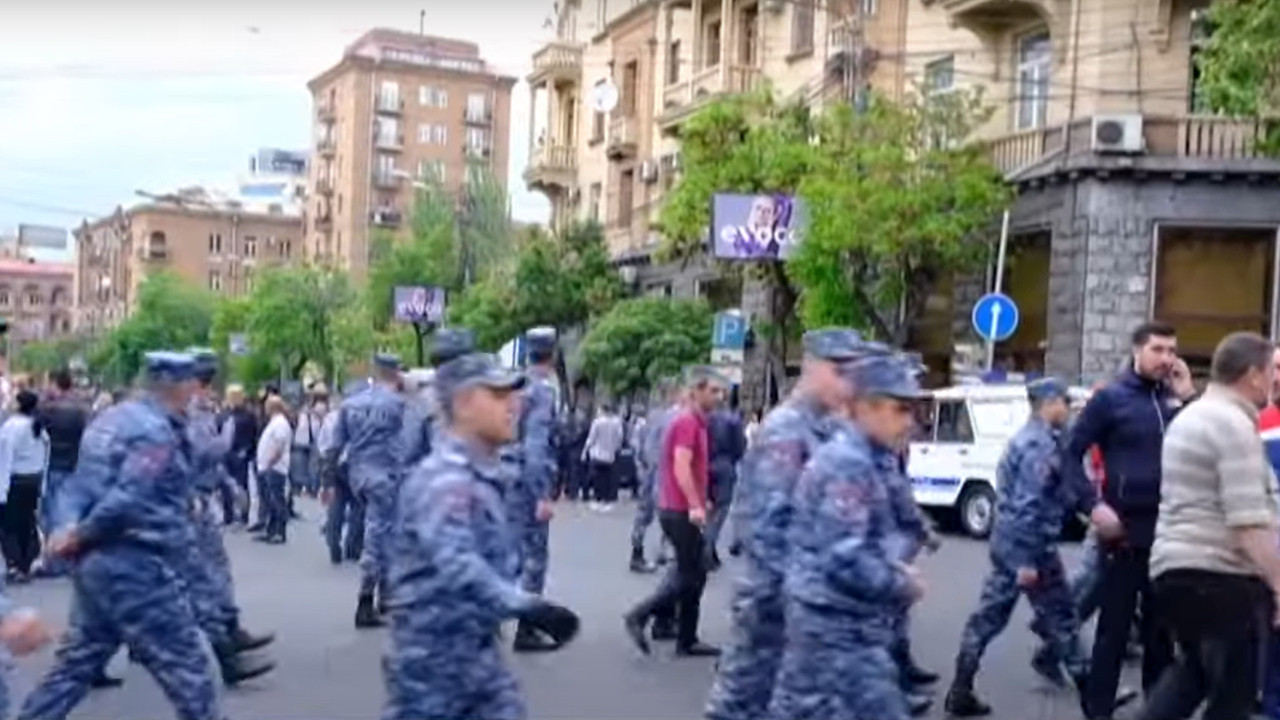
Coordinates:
[478,116]
[552,168]
[324,186]
[386,179]
[682,99]
[326,112]
[389,105]
[387,141]
[1179,145]
[624,137]
[557,62]
[385,217]
[326,147]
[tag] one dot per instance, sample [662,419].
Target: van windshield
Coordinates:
[999,418]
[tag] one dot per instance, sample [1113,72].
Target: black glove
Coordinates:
[556,621]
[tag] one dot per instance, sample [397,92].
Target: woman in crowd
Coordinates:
[24,456]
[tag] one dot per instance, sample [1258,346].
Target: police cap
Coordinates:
[835,344]
[474,370]
[169,366]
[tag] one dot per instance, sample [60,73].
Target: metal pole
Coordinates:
[998,285]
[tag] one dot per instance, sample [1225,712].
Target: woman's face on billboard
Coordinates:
[762,213]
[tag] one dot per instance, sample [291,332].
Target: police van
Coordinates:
[953,462]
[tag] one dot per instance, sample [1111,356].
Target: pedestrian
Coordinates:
[24,456]
[368,429]
[682,515]
[844,580]
[344,510]
[1216,556]
[530,503]
[1269,429]
[600,453]
[1126,420]
[244,436]
[648,458]
[137,520]
[787,438]
[1024,556]
[454,565]
[64,419]
[272,464]
[301,476]
[726,444]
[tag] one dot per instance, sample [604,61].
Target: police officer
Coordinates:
[655,425]
[22,632]
[136,523]
[845,581]
[420,410]
[369,428]
[788,437]
[454,567]
[1024,554]
[530,502]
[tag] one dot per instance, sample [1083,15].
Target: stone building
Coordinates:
[36,299]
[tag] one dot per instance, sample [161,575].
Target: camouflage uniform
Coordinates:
[655,427]
[124,587]
[1029,516]
[787,438]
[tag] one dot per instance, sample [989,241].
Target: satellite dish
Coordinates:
[604,97]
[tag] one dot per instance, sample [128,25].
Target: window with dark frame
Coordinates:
[802,26]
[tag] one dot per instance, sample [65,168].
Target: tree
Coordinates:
[1240,62]
[894,205]
[41,357]
[643,340]
[170,315]
[292,316]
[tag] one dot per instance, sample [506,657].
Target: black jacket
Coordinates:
[64,419]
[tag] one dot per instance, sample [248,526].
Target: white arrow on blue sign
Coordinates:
[995,317]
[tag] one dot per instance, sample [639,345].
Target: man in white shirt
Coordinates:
[604,440]
[273,470]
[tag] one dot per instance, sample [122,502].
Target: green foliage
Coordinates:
[894,204]
[488,308]
[1240,63]
[644,340]
[45,356]
[169,314]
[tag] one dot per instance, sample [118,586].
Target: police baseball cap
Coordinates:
[449,343]
[475,370]
[206,361]
[387,361]
[169,366]
[1047,388]
[835,344]
[540,339]
[883,375]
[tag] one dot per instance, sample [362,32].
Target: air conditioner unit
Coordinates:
[1121,134]
[649,171]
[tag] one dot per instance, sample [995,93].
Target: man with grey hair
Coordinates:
[1215,559]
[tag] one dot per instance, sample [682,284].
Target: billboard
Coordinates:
[42,236]
[418,304]
[768,226]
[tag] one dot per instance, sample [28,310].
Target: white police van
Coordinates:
[953,465]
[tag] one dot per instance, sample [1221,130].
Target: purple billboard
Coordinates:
[768,226]
[415,304]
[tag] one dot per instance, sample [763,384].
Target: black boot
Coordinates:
[529,640]
[913,674]
[244,641]
[918,703]
[664,628]
[103,681]
[237,668]
[961,701]
[366,616]
[1045,663]
[638,563]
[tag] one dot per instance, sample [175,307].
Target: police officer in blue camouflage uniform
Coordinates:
[370,425]
[845,578]
[530,498]
[125,540]
[21,632]
[647,461]
[454,565]
[1024,554]
[787,438]
[420,410]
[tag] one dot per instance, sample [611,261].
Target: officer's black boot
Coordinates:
[912,674]
[243,641]
[961,701]
[366,615]
[103,681]
[638,563]
[1081,682]
[1046,664]
[530,640]
[918,703]
[237,668]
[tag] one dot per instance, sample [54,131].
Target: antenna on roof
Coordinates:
[422,22]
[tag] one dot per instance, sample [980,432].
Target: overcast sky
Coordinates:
[99,99]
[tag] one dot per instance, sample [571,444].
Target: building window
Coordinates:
[802,26]
[389,95]
[630,86]
[157,245]
[431,171]
[34,298]
[597,122]
[673,62]
[477,141]
[437,134]
[477,107]
[388,131]
[250,246]
[711,41]
[593,202]
[868,7]
[286,248]
[626,195]
[1035,62]
[433,97]
[940,75]
[215,281]
[215,243]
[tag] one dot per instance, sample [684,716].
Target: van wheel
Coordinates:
[977,509]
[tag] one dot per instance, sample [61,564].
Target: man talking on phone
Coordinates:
[1127,419]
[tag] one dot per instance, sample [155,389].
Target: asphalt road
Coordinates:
[329,670]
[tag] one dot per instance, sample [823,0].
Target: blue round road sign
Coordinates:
[995,317]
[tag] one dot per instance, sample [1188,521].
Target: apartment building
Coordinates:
[211,242]
[36,298]
[396,110]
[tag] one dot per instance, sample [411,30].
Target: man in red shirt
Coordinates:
[682,514]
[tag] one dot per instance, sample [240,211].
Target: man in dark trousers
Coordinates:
[728,443]
[64,418]
[1126,420]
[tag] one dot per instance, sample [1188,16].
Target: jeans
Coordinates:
[604,482]
[721,500]
[50,516]
[681,589]
[275,506]
[1214,617]
[302,477]
[346,509]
